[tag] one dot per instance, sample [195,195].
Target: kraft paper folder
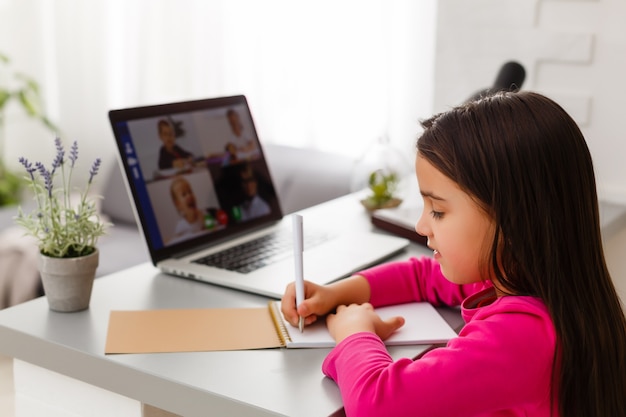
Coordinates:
[213,329]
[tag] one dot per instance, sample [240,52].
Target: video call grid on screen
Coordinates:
[211,172]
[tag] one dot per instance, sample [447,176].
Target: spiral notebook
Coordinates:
[216,329]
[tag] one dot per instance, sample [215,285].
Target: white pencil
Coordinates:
[298,248]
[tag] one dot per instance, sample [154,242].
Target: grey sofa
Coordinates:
[303,177]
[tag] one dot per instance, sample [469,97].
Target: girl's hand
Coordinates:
[357,318]
[320,300]
[317,302]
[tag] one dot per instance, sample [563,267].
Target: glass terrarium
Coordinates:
[383,171]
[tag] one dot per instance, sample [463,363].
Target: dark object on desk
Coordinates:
[510,78]
[400,221]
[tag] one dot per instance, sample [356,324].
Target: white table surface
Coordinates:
[255,382]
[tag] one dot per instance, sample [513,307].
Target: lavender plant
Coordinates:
[62,227]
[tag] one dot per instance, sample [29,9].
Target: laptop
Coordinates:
[208,210]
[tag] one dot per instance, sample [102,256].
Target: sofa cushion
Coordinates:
[116,200]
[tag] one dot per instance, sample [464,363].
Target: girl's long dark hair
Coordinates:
[526,162]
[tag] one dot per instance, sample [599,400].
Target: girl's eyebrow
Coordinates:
[431,195]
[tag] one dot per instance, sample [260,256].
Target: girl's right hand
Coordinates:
[317,302]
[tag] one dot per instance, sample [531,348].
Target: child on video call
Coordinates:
[191,217]
[511,214]
[171,155]
[253,205]
[241,139]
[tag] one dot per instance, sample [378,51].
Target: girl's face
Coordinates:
[458,230]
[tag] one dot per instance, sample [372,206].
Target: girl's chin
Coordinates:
[449,275]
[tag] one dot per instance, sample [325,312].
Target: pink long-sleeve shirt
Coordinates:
[499,365]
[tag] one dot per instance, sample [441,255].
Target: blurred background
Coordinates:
[332,75]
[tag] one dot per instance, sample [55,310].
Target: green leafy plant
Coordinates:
[10,186]
[25,92]
[382,184]
[62,229]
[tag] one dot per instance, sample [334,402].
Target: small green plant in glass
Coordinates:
[382,185]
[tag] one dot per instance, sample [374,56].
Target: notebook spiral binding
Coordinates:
[279,323]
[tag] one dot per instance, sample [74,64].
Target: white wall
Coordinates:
[573,51]
[332,75]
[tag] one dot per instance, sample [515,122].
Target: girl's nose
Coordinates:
[421,227]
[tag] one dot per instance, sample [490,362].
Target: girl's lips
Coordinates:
[436,254]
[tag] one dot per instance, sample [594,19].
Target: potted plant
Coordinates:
[24,91]
[66,227]
[382,184]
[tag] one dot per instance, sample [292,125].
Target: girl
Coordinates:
[511,213]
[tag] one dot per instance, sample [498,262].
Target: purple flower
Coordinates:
[74,153]
[47,177]
[58,160]
[58,144]
[29,167]
[94,169]
[40,168]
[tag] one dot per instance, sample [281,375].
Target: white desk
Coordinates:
[60,368]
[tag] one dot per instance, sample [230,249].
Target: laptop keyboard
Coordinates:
[257,253]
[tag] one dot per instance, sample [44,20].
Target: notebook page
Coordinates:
[423,326]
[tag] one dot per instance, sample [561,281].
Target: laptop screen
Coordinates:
[196,172]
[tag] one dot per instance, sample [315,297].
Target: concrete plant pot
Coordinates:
[67,282]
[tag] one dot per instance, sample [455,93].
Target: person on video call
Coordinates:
[191,217]
[253,205]
[171,155]
[240,138]
[231,155]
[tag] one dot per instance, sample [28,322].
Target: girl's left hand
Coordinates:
[357,318]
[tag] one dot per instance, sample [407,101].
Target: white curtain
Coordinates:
[327,74]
